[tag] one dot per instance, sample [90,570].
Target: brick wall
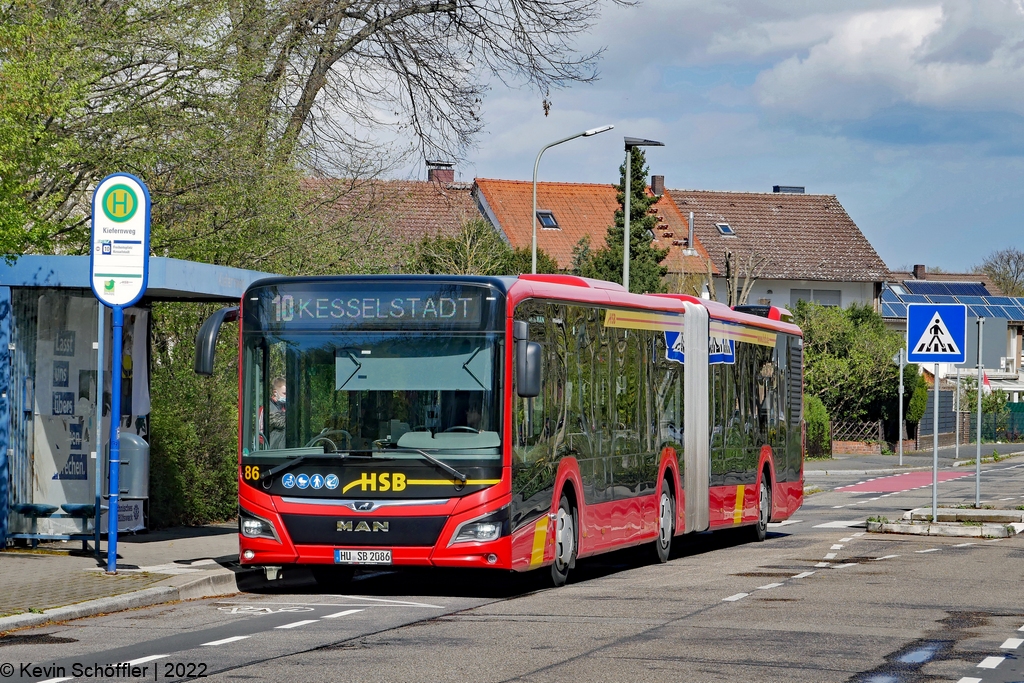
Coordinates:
[856,448]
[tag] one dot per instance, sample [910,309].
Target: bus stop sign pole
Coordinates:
[119,273]
[936,333]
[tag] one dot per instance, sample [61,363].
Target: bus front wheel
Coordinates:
[666,523]
[759,531]
[565,542]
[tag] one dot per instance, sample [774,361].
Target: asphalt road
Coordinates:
[820,600]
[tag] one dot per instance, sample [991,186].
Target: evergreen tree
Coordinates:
[645,270]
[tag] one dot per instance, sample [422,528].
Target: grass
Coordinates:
[970,523]
[880,520]
[811,490]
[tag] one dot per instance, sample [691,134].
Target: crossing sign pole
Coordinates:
[936,333]
[119,265]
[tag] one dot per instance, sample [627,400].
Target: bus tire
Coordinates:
[666,523]
[331,576]
[565,542]
[759,531]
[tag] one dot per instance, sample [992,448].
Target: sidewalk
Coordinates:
[58,581]
[889,464]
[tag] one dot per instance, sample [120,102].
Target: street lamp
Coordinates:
[626,241]
[533,216]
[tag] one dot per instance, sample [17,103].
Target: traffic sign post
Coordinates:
[936,333]
[119,273]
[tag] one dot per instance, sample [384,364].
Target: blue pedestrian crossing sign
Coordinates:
[936,333]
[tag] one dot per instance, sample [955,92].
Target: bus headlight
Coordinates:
[489,527]
[253,526]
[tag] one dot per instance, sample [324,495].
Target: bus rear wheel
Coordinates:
[332,576]
[666,523]
[764,510]
[565,542]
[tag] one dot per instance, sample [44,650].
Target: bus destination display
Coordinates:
[307,307]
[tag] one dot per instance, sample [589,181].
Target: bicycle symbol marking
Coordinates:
[252,609]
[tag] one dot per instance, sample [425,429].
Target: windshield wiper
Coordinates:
[459,476]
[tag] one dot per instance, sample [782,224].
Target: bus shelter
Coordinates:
[55,400]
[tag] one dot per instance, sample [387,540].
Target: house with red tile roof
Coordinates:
[800,246]
[569,212]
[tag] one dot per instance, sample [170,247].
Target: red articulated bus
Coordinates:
[502,422]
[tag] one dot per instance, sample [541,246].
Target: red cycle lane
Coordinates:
[901,482]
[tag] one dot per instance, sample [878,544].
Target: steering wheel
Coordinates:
[320,438]
[462,428]
[325,435]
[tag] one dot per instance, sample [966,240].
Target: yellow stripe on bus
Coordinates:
[540,537]
[737,515]
[719,329]
[442,482]
[643,320]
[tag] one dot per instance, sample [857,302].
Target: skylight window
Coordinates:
[725,229]
[547,220]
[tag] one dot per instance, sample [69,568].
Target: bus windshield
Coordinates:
[312,392]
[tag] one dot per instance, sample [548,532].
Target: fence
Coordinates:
[1007,427]
[947,418]
[858,431]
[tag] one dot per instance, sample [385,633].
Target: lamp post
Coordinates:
[533,216]
[626,241]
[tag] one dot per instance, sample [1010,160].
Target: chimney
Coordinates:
[441,172]
[788,189]
[919,272]
[658,185]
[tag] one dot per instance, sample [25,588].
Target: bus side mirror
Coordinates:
[528,355]
[206,339]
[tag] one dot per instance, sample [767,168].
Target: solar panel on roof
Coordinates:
[889,296]
[967,288]
[900,310]
[980,312]
[922,287]
[1016,312]
[999,300]
[888,312]
[915,299]
[1019,301]
[943,299]
[975,300]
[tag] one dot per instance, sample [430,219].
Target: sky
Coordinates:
[911,113]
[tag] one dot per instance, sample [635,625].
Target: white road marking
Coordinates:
[734,598]
[224,641]
[879,496]
[963,545]
[1010,498]
[836,507]
[830,556]
[930,550]
[847,564]
[885,557]
[969,679]
[846,540]
[823,564]
[836,546]
[993,540]
[860,533]
[1012,643]
[804,575]
[991,662]
[1021,628]
[342,614]
[296,624]
[785,522]
[839,525]
[768,586]
[143,660]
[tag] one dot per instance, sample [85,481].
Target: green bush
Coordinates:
[918,403]
[193,423]
[819,440]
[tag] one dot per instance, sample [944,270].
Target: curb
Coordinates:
[811,474]
[217,583]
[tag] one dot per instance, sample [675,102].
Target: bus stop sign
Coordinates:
[936,333]
[120,240]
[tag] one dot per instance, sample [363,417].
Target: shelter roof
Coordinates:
[170,279]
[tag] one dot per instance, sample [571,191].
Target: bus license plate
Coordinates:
[362,556]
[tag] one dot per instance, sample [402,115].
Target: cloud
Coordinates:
[961,56]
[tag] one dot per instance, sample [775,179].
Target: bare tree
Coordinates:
[748,272]
[1006,269]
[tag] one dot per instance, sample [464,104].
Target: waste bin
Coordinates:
[133,481]
[134,476]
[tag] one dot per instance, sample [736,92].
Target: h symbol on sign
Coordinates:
[122,202]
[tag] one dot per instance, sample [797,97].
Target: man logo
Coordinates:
[364,505]
[346,525]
